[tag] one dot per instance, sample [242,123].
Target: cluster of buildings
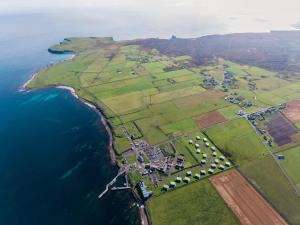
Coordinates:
[262,113]
[180,161]
[209,83]
[238,100]
[229,81]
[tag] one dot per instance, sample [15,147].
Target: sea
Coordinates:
[54,159]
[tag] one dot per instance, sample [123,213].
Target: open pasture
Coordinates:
[269,84]
[237,140]
[179,127]
[166,96]
[197,203]
[291,164]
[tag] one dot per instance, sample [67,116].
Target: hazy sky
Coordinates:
[183,17]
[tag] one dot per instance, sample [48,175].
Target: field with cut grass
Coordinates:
[291,164]
[198,203]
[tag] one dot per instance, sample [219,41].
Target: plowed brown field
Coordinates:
[208,119]
[292,112]
[245,202]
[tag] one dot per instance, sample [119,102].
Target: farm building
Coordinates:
[205,139]
[221,167]
[204,156]
[178,179]
[186,179]
[215,154]
[207,144]
[202,172]
[172,184]
[190,142]
[222,158]
[216,161]
[280,157]
[196,145]
[198,151]
[198,138]
[143,189]
[210,171]
[180,162]
[213,166]
[213,148]
[197,176]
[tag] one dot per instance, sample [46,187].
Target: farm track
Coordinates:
[245,202]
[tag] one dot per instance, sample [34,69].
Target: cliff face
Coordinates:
[277,51]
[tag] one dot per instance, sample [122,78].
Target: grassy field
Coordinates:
[237,140]
[291,164]
[265,175]
[195,204]
[158,97]
[133,86]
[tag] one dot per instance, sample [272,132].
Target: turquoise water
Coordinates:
[53,149]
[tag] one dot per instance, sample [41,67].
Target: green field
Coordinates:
[159,97]
[265,175]
[195,204]
[291,164]
[237,140]
[133,86]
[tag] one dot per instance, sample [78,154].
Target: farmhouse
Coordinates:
[143,189]
[180,162]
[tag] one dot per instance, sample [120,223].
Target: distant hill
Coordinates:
[276,50]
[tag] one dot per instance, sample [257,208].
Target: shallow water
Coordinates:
[53,149]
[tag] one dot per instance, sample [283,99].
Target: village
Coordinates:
[160,172]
